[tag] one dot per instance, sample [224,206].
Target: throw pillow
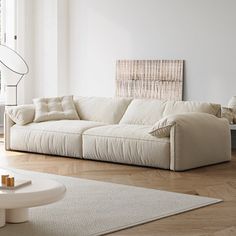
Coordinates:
[57,108]
[162,127]
[21,115]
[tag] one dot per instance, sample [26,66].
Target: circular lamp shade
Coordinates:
[232,102]
[12,60]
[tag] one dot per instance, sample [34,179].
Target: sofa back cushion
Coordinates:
[106,110]
[143,112]
[149,111]
[177,107]
[57,108]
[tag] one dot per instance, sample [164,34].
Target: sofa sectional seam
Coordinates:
[94,135]
[50,131]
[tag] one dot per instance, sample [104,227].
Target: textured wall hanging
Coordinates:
[159,79]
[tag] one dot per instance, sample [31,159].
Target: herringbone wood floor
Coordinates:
[217,181]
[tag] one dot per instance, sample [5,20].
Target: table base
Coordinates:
[18,215]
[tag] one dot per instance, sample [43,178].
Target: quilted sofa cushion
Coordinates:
[148,111]
[130,144]
[57,108]
[63,137]
[107,110]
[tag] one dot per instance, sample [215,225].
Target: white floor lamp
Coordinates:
[13,68]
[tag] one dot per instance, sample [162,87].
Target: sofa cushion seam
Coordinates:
[50,131]
[103,136]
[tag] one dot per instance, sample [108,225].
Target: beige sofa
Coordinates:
[117,130]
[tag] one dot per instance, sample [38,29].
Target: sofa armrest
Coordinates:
[199,139]
[8,123]
[20,115]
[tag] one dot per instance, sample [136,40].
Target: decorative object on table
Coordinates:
[4,179]
[9,183]
[159,79]
[232,105]
[228,113]
[232,102]
[13,68]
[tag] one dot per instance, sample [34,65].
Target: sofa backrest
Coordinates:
[176,107]
[143,112]
[106,110]
[149,111]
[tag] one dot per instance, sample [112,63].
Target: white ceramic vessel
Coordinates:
[14,204]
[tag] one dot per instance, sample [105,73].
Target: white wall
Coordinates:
[45,47]
[25,46]
[43,42]
[202,32]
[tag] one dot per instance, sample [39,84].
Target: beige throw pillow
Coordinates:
[57,108]
[21,115]
[162,127]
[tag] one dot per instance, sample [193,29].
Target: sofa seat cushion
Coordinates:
[130,144]
[63,137]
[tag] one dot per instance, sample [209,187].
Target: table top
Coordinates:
[232,127]
[39,192]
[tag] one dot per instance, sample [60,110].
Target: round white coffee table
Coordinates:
[14,204]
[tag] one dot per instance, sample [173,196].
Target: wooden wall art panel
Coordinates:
[159,79]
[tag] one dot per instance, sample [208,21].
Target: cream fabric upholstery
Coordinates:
[8,123]
[107,110]
[130,144]
[63,137]
[58,108]
[21,115]
[162,127]
[143,112]
[177,107]
[196,139]
[148,111]
[199,139]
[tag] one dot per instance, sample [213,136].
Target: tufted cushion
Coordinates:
[58,108]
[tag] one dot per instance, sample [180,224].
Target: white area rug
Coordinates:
[95,208]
